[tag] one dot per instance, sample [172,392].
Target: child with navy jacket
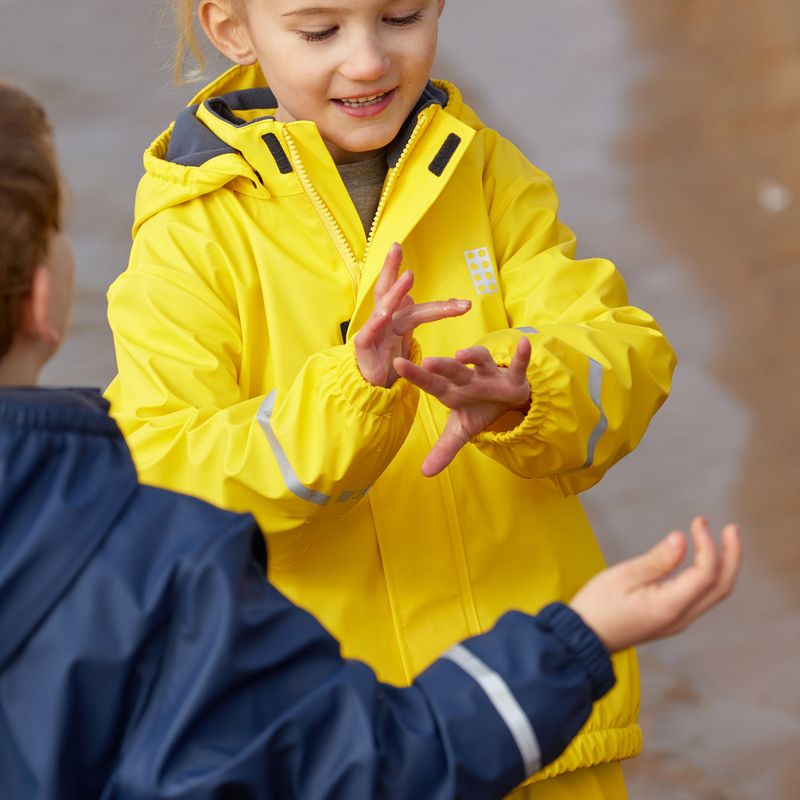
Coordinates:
[144,655]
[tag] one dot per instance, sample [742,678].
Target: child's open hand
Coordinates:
[641,599]
[388,331]
[476,397]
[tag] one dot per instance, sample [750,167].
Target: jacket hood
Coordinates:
[65,476]
[218,140]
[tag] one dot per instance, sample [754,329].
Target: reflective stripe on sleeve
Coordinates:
[504,702]
[595,387]
[291,480]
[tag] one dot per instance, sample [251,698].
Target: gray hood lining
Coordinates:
[192,144]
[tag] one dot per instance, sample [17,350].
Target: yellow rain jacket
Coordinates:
[249,274]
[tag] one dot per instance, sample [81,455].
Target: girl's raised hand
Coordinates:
[476,396]
[387,333]
[646,598]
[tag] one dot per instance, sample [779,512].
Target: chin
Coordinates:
[365,147]
[367,141]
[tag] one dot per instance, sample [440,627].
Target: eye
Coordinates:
[401,22]
[316,36]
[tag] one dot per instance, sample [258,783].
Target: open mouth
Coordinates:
[362,102]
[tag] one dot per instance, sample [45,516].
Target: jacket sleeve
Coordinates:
[253,698]
[306,450]
[600,368]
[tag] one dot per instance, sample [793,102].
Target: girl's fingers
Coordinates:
[449,369]
[384,311]
[379,319]
[394,298]
[413,373]
[443,452]
[480,358]
[406,319]
[367,336]
[388,274]
[518,368]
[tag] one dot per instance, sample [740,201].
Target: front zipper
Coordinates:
[328,220]
[391,179]
[354,266]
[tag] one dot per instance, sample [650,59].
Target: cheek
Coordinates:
[72,281]
[299,86]
[67,280]
[430,49]
[64,287]
[419,59]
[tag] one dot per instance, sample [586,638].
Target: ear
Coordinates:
[36,322]
[441,6]
[226,31]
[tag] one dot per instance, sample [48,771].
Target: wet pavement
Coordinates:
[671,130]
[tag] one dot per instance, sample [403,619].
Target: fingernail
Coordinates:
[674,541]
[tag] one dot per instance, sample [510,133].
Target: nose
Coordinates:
[367,59]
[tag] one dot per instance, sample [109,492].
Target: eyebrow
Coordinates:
[310,11]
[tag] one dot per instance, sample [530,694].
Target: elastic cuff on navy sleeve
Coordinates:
[568,626]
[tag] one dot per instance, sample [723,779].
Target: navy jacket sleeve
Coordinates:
[253,699]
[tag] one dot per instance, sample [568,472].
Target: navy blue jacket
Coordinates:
[144,655]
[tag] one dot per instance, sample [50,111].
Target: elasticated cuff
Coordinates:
[568,626]
[535,421]
[365,397]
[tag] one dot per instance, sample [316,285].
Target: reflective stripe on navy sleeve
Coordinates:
[291,480]
[595,387]
[504,702]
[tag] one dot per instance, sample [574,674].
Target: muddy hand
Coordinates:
[476,395]
[387,333]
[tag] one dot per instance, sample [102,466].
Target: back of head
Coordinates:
[30,201]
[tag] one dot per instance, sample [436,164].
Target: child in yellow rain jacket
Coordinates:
[414,481]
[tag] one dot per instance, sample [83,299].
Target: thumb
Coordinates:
[453,438]
[660,560]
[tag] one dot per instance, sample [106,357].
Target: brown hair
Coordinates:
[30,201]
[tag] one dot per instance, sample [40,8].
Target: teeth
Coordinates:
[361,101]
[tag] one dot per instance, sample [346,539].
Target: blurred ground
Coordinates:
[671,130]
[712,150]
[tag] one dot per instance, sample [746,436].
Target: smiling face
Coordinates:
[354,67]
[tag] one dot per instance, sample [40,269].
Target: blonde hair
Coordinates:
[190,60]
[187,46]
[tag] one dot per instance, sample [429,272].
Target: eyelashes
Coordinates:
[396,22]
[316,36]
[401,22]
